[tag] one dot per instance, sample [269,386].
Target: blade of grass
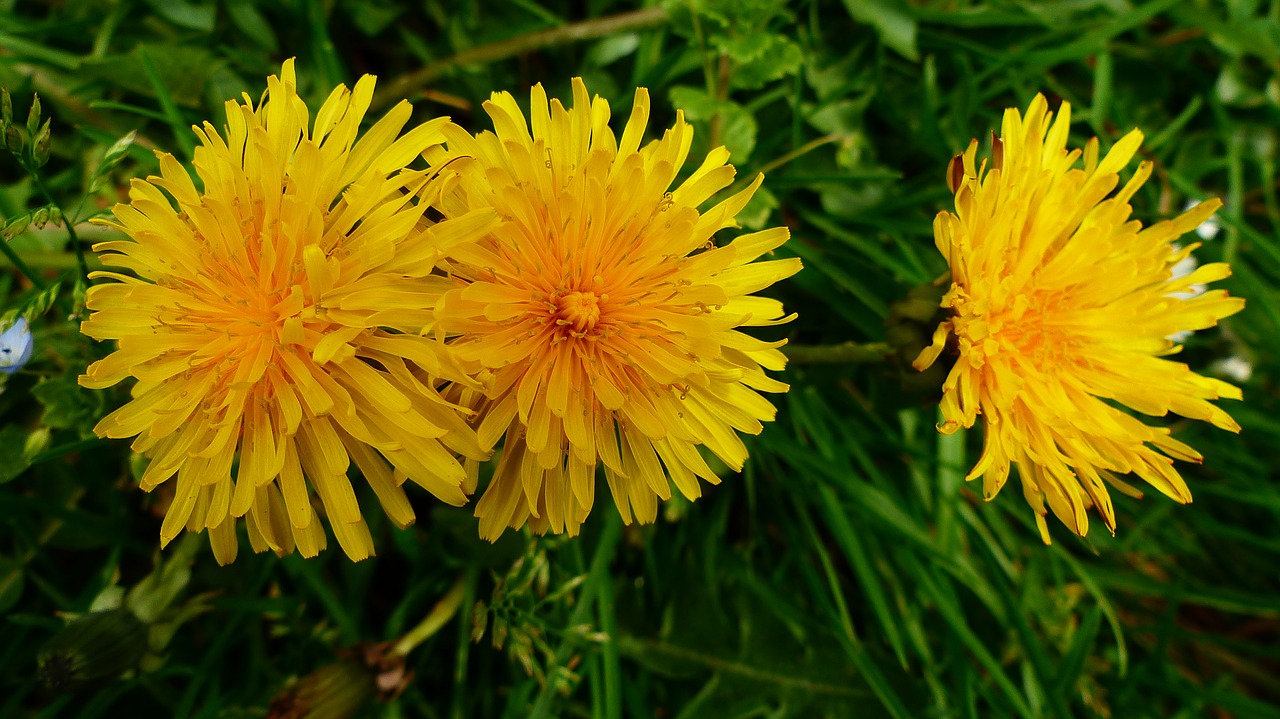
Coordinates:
[180,128]
[838,524]
[960,627]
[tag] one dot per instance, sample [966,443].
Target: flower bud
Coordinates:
[334,691]
[97,647]
[43,142]
[13,139]
[33,117]
[16,226]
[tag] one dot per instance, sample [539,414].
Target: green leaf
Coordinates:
[66,404]
[612,49]
[761,59]
[151,598]
[722,19]
[246,17]
[200,15]
[892,21]
[758,210]
[738,127]
[13,455]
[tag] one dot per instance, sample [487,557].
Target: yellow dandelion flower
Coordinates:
[604,311]
[1061,309]
[275,316]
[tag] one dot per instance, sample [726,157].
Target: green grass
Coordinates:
[849,570]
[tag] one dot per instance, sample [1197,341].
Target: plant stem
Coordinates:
[441,613]
[721,93]
[411,83]
[597,575]
[60,261]
[799,152]
[847,353]
[59,300]
[55,452]
[20,265]
[66,221]
[612,665]
[458,708]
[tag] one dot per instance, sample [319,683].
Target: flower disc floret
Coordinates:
[1062,307]
[603,312]
[272,320]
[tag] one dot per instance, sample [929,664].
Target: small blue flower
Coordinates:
[15,346]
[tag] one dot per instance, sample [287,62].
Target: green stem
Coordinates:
[597,575]
[458,708]
[68,448]
[21,265]
[799,152]
[66,221]
[847,353]
[612,665]
[441,613]
[411,83]
[60,261]
[59,301]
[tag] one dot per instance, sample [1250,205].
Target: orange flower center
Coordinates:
[1034,325]
[580,310]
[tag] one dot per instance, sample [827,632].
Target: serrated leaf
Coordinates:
[66,404]
[681,16]
[738,130]
[771,57]
[892,21]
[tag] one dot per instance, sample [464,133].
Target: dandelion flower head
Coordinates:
[1061,309]
[603,313]
[273,316]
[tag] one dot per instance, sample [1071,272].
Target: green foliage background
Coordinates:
[848,571]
